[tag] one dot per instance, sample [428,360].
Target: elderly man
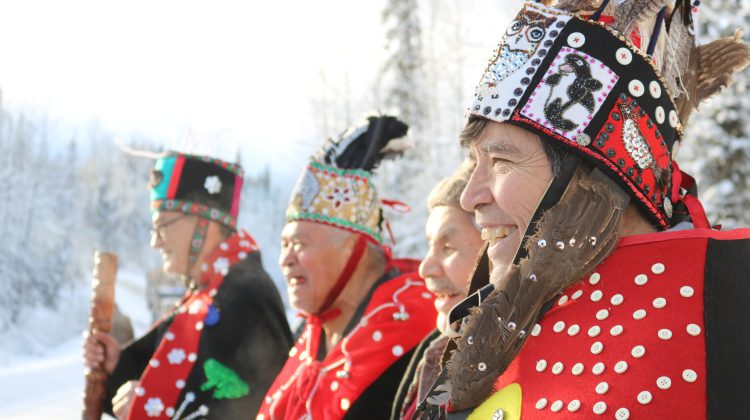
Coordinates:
[364,312]
[454,242]
[218,351]
[610,293]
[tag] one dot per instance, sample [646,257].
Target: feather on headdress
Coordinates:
[335,187]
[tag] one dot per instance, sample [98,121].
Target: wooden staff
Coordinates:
[100,319]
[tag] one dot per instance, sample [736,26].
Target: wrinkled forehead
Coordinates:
[313,231]
[499,138]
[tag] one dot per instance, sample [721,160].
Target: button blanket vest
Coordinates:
[398,315]
[218,352]
[659,330]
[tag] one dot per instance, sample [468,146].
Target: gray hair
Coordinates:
[448,191]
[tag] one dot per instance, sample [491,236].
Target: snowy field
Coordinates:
[48,384]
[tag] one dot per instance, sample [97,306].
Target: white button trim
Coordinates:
[556,406]
[657,268]
[639,314]
[660,114]
[541,404]
[665,334]
[563,300]
[574,405]
[600,407]
[621,367]
[644,397]
[577,294]
[602,314]
[597,347]
[594,331]
[641,279]
[660,303]
[598,368]
[577,369]
[541,365]
[558,327]
[663,382]
[573,330]
[536,330]
[622,414]
[655,89]
[557,368]
[617,299]
[689,375]
[576,40]
[616,330]
[693,330]
[686,291]
[638,351]
[623,56]
[602,388]
[596,295]
[594,279]
[636,88]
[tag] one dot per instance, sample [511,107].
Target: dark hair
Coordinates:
[476,126]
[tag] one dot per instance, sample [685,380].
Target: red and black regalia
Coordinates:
[217,352]
[359,377]
[588,323]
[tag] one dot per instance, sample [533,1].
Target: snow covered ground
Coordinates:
[47,383]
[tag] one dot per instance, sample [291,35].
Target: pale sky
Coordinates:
[238,71]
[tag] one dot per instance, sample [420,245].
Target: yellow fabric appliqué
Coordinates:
[504,404]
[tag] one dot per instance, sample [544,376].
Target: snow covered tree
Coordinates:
[717,145]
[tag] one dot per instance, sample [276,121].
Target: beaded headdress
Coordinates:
[336,187]
[199,185]
[598,85]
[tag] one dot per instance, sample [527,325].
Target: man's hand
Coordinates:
[100,349]
[123,398]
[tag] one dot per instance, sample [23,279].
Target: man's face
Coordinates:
[454,242]
[511,175]
[312,258]
[171,234]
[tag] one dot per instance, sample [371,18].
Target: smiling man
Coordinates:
[216,353]
[610,293]
[364,311]
[454,242]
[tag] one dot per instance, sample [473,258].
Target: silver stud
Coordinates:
[512,326]
[541,243]
[470,340]
[482,366]
[560,245]
[572,242]
[592,240]
[532,277]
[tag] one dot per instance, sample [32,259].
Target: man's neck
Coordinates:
[348,302]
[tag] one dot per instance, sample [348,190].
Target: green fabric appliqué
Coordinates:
[226,383]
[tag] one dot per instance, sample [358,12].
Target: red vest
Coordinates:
[626,342]
[399,314]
